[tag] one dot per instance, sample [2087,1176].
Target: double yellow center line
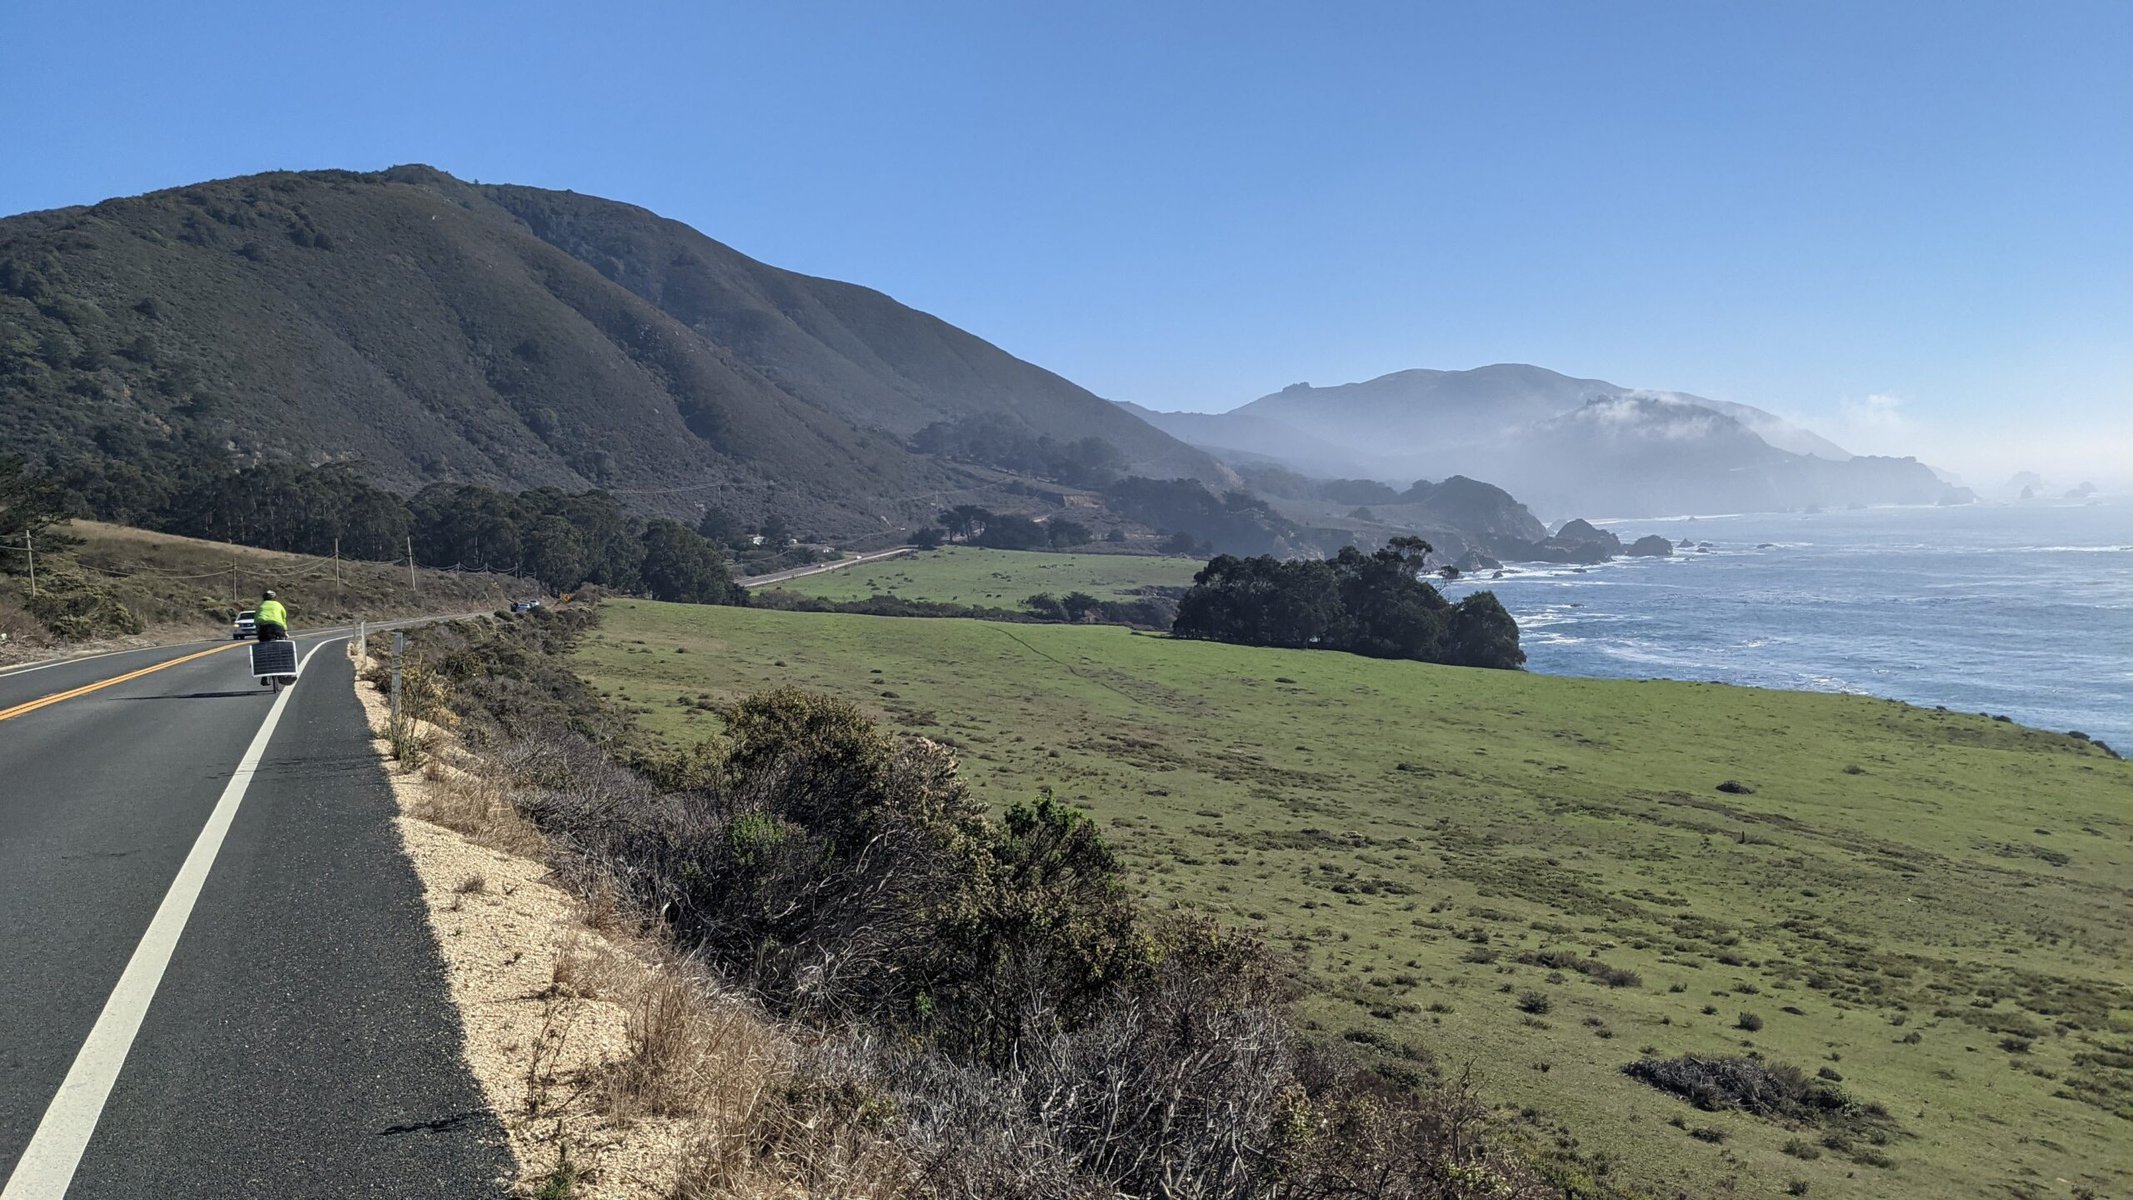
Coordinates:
[33,705]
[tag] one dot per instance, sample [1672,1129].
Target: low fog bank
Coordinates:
[1569,445]
[1998,463]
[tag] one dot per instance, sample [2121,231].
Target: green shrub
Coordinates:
[1773,1090]
[1615,977]
[76,607]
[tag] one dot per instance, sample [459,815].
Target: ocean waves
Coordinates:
[2026,612]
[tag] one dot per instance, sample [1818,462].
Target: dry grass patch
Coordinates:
[462,800]
[592,969]
[695,1053]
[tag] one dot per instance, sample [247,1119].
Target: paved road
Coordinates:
[286,1035]
[756,581]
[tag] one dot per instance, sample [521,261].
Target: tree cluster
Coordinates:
[1234,522]
[30,505]
[1080,608]
[1375,605]
[1009,531]
[998,441]
[563,539]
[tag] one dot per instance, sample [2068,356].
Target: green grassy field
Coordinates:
[997,578]
[1933,906]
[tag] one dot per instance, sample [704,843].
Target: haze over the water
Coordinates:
[1902,225]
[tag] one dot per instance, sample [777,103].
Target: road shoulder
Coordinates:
[300,1038]
[547,990]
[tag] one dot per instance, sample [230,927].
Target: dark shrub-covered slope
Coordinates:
[441,331]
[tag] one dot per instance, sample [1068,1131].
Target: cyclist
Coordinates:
[270,619]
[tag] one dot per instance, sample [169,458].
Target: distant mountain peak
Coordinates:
[1557,441]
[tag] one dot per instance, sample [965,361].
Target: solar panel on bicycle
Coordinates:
[277,657]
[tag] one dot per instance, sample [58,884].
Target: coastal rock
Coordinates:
[1651,545]
[1585,533]
[1475,560]
[1578,541]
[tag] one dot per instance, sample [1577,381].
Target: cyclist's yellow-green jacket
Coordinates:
[270,612]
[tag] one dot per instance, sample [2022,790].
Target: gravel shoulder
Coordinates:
[546,999]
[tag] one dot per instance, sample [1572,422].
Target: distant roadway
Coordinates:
[217,976]
[756,581]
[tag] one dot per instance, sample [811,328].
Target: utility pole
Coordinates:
[411,565]
[337,573]
[31,550]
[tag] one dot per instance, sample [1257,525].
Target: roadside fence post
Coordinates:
[399,644]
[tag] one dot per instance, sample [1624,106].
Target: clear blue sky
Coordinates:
[1911,224]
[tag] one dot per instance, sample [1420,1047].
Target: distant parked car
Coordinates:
[245,627]
[520,606]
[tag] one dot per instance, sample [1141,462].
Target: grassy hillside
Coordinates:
[997,578]
[182,587]
[1931,906]
[444,331]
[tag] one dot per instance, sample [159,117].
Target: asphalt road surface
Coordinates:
[842,564]
[217,977]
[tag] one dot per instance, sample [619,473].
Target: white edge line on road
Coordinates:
[47,1166]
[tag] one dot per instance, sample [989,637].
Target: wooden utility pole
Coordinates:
[411,565]
[337,573]
[31,550]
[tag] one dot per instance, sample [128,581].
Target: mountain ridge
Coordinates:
[1529,393]
[1563,444]
[422,325]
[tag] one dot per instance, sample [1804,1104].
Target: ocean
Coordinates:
[2023,611]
